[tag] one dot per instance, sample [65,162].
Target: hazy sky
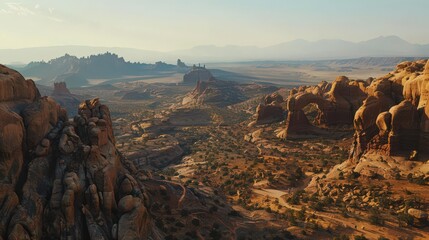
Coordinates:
[178,24]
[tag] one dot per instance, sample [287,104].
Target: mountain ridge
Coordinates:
[76,71]
[299,49]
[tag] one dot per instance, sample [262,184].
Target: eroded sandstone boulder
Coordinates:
[271,110]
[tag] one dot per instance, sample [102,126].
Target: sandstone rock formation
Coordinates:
[65,179]
[336,103]
[394,117]
[60,88]
[271,110]
[64,171]
[62,95]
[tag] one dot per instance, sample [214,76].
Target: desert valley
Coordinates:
[201,156]
[200,120]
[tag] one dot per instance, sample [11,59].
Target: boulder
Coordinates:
[266,114]
[418,214]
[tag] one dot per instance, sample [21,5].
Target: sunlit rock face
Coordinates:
[394,117]
[337,103]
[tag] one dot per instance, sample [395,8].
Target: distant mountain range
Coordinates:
[384,46]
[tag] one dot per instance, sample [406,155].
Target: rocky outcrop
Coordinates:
[394,117]
[60,88]
[26,124]
[197,74]
[13,86]
[62,95]
[62,179]
[367,118]
[336,103]
[271,110]
[214,92]
[65,179]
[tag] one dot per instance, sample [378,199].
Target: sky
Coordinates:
[166,25]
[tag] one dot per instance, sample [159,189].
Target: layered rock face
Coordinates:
[336,103]
[62,179]
[394,117]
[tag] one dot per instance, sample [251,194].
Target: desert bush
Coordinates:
[375,217]
[404,219]
[361,237]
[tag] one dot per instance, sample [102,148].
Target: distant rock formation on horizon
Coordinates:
[60,88]
[76,71]
[62,95]
[196,74]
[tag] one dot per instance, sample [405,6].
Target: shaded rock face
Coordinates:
[394,117]
[197,74]
[271,110]
[336,102]
[62,179]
